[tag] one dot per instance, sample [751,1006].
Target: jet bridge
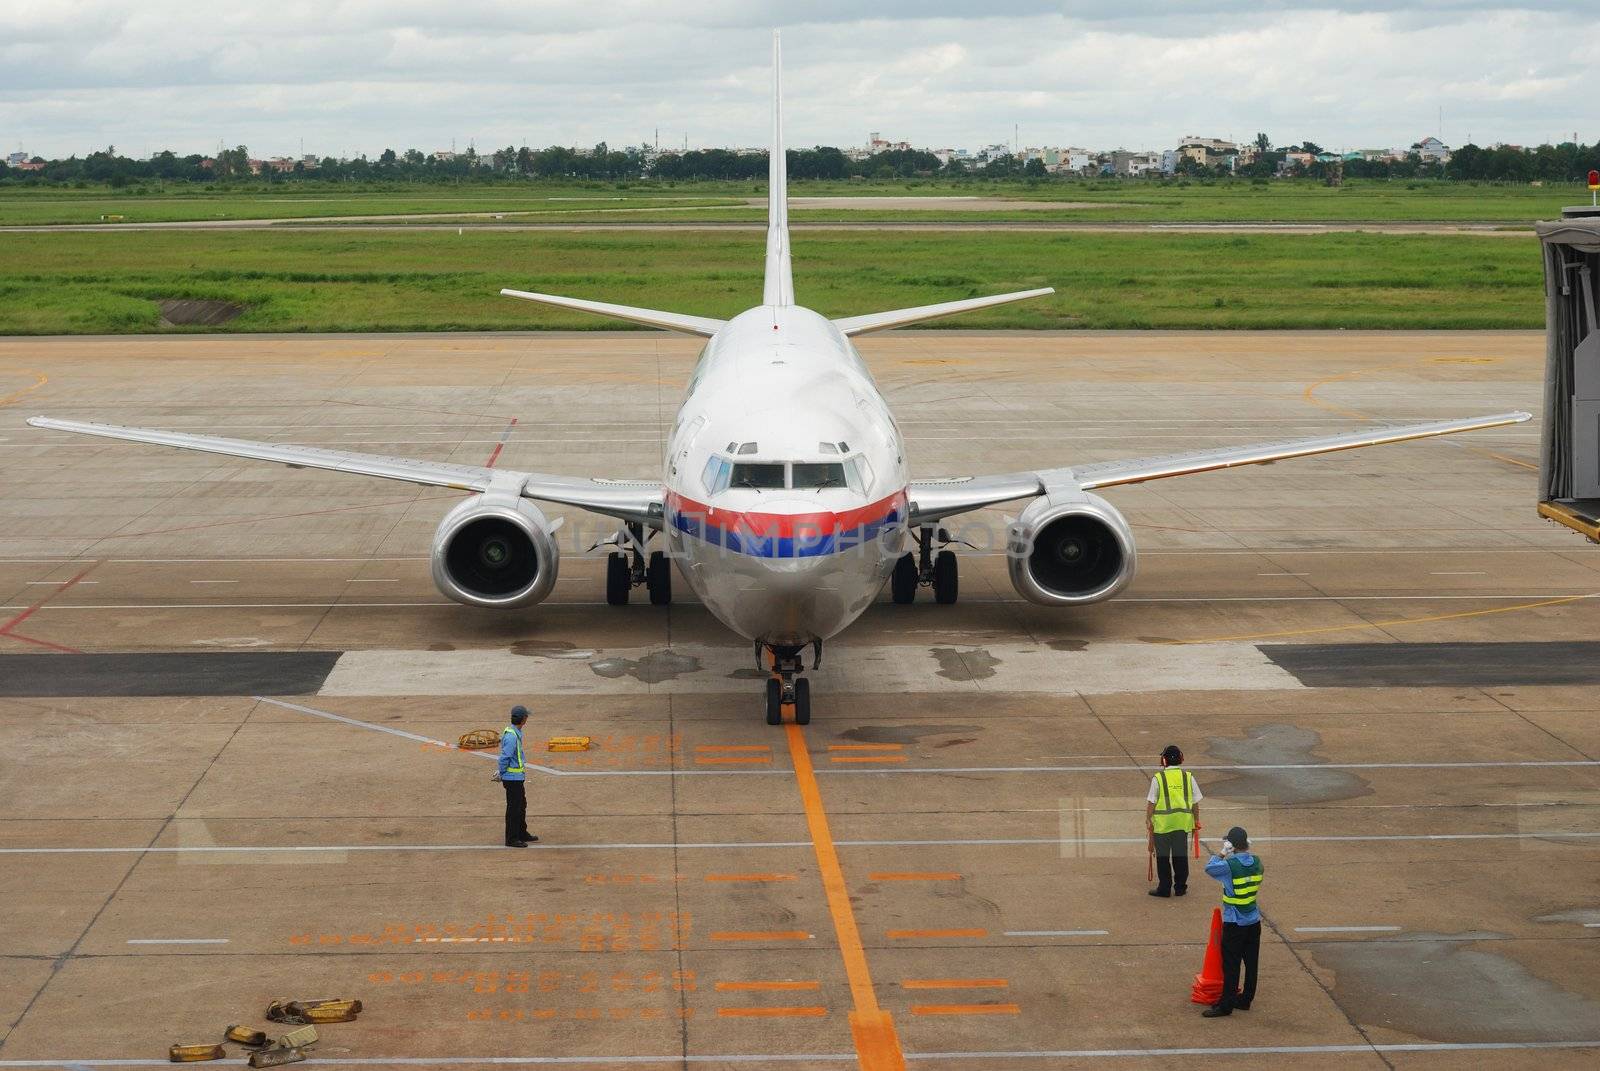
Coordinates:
[1569,464]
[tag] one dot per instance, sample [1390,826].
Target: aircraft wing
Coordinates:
[633,500]
[933,499]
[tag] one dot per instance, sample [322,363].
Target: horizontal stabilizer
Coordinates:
[882,321]
[672,321]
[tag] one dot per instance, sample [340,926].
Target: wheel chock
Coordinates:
[276,1056]
[568,743]
[479,740]
[194,1054]
[324,1010]
[243,1035]
[303,1038]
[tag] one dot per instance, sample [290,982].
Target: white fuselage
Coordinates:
[785,477]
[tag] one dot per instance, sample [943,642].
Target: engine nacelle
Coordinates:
[1070,548]
[495,550]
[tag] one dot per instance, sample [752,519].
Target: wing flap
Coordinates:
[883,321]
[703,326]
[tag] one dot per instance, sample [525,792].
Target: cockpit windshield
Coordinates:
[761,475]
[817,474]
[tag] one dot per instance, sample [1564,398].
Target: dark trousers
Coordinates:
[1172,861]
[1241,947]
[516,810]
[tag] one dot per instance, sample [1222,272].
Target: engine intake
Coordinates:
[1069,550]
[495,551]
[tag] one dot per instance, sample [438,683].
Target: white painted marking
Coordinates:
[1347,929]
[58,583]
[1100,669]
[179,941]
[388,580]
[1283,574]
[1591,925]
[1058,933]
[213,581]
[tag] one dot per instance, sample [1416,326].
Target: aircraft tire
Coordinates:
[903,582]
[802,701]
[946,578]
[659,579]
[774,701]
[618,579]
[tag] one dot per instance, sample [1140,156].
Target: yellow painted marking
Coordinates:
[749,877]
[764,987]
[867,758]
[931,875]
[954,983]
[865,747]
[761,935]
[39,380]
[732,760]
[871,1028]
[965,1009]
[772,1013]
[733,747]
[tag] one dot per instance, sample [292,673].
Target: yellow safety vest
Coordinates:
[1174,802]
[516,767]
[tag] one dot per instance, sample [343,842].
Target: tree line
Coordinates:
[1567,162]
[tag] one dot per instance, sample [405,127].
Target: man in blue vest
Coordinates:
[513,776]
[1240,874]
[1172,810]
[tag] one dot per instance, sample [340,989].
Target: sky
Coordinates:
[343,77]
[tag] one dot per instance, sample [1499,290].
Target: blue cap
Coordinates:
[519,713]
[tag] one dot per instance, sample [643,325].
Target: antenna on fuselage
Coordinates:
[778,288]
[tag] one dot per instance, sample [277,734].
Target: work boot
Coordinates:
[529,837]
[1216,1011]
[1180,892]
[516,844]
[1159,892]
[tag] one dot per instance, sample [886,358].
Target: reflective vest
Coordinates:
[1246,882]
[516,764]
[1174,801]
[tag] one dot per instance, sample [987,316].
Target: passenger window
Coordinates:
[760,475]
[818,474]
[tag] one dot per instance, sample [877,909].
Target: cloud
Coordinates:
[361,75]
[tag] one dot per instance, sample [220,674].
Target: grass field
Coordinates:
[1107,201]
[345,280]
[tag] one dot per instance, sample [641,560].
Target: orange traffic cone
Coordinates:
[1208,983]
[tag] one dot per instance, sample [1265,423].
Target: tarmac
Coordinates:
[229,695]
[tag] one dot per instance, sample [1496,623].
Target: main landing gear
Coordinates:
[924,568]
[786,688]
[630,568]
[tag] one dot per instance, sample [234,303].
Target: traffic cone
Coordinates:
[1208,983]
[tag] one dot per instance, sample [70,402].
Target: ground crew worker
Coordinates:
[513,776]
[1240,874]
[1172,810]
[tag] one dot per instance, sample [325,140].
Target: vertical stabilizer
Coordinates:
[779,286]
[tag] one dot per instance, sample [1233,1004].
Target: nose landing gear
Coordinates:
[926,569]
[786,688]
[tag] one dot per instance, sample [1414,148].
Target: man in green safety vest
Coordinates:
[1171,813]
[1240,873]
[513,776]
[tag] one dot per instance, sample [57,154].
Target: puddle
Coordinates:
[1067,645]
[656,667]
[902,734]
[1445,988]
[1281,744]
[748,673]
[974,665]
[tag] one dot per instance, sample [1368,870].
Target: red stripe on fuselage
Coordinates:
[790,525]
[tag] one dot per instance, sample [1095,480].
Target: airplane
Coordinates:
[786,497]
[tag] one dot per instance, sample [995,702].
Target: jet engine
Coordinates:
[495,550]
[1068,549]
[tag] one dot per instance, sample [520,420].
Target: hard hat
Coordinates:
[519,713]
[1172,755]
[1239,839]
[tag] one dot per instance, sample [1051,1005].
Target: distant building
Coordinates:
[1432,150]
[1133,164]
[875,144]
[444,156]
[1169,161]
[1207,152]
[29,165]
[16,158]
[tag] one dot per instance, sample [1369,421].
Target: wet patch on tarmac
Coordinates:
[549,649]
[748,673]
[657,667]
[1449,987]
[974,665]
[1067,645]
[1278,745]
[166,673]
[1438,665]
[1583,916]
[903,734]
